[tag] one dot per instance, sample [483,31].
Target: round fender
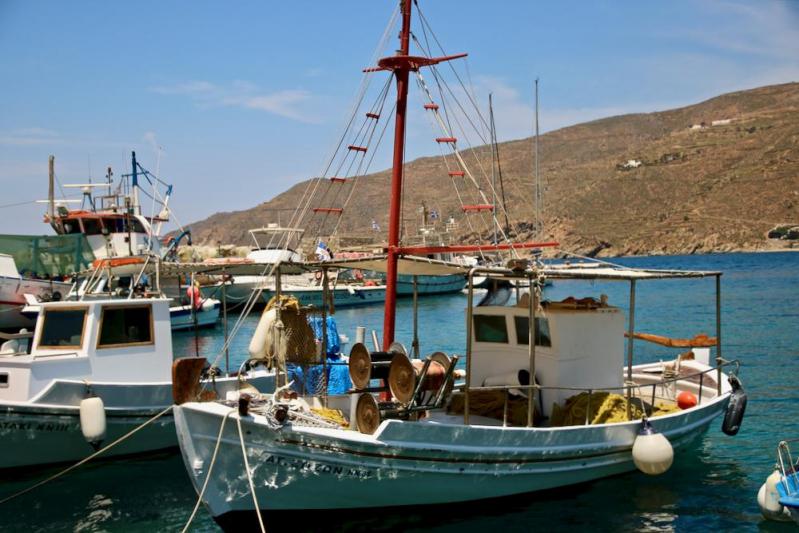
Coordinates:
[735,409]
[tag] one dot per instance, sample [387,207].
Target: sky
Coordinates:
[234,102]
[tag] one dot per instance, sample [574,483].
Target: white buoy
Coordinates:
[768,499]
[262,342]
[652,451]
[92,420]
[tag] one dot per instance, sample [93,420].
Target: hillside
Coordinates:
[714,188]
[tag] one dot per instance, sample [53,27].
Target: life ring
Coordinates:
[734,414]
[357,273]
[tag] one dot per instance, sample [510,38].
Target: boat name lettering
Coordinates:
[317,468]
[36,426]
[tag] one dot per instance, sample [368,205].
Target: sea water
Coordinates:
[712,486]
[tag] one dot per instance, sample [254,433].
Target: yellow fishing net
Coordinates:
[605,408]
[332,415]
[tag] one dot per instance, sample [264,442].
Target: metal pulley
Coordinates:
[404,375]
[365,366]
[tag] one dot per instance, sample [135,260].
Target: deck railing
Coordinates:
[626,388]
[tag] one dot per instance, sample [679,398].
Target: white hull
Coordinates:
[429,285]
[243,286]
[47,429]
[12,298]
[406,463]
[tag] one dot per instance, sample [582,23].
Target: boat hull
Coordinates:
[428,285]
[243,286]
[182,318]
[405,463]
[47,429]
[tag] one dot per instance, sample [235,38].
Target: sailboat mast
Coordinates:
[401,71]
[539,223]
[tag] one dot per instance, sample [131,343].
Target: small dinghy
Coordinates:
[778,497]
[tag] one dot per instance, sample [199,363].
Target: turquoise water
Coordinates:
[712,487]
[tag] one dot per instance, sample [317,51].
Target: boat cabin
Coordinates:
[88,342]
[109,233]
[577,346]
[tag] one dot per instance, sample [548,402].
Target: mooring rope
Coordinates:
[89,458]
[249,477]
[208,475]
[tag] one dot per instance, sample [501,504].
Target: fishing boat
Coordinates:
[549,394]
[14,287]
[115,352]
[274,247]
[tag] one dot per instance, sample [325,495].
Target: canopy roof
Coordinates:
[598,271]
[407,264]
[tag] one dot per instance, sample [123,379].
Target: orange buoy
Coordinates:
[686,400]
[193,292]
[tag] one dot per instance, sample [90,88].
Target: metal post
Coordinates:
[192,302]
[718,334]
[531,349]
[325,300]
[469,304]
[278,320]
[631,331]
[224,321]
[415,344]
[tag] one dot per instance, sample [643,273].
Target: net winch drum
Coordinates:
[365,366]
[367,414]
[404,374]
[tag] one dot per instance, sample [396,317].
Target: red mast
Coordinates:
[401,64]
[401,71]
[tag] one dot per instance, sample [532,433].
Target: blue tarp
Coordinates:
[333,342]
[309,380]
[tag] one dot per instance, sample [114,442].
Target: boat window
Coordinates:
[71,225]
[62,328]
[490,328]
[4,380]
[92,226]
[125,326]
[134,225]
[542,337]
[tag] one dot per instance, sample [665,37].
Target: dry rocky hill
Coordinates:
[716,176]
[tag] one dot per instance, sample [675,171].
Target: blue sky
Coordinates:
[246,98]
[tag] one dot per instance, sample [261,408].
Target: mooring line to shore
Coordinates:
[87,459]
[208,474]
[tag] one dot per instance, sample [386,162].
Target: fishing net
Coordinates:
[48,255]
[491,404]
[604,408]
[297,343]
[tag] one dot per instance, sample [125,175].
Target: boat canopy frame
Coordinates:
[534,274]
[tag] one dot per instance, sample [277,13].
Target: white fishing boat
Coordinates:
[117,350]
[273,248]
[550,395]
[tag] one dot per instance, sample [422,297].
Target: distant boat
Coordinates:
[14,287]
[307,287]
